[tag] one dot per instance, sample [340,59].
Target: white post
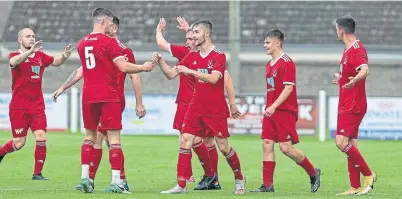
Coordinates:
[74,110]
[322,115]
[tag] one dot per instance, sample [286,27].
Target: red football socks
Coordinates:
[86,152]
[123,171]
[8,147]
[268,168]
[115,157]
[183,164]
[354,174]
[307,166]
[213,156]
[358,159]
[203,155]
[40,156]
[234,163]
[95,161]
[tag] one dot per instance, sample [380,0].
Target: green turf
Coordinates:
[151,167]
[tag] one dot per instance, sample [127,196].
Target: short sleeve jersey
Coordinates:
[211,97]
[353,100]
[27,81]
[97,53]
[277,75]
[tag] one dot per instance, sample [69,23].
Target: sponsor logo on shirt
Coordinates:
[36,71]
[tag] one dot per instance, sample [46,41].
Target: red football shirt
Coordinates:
[277,76]
[97,53]
[121,77]
[27,81]
[352,100]
[211,97]
[186,82]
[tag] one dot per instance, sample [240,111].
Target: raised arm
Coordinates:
[183,24]
[160,40]
[17,59]
[59,60]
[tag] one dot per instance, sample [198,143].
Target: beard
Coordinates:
[29,46]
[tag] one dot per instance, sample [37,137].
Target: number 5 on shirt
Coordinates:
[89,57]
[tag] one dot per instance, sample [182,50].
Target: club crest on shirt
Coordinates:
[274,73]
[40,62]
[210,63]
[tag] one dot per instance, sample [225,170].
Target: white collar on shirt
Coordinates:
[206,55]
[273,62]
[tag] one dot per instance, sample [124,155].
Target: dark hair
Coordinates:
[101,12]
[205,24]
[347,23]
[275,33]
[116,20]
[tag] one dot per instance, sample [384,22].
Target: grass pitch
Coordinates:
[151,167]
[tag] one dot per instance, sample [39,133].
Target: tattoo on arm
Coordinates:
[22,58]
[70,78]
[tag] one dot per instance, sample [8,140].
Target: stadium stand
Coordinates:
[306,24]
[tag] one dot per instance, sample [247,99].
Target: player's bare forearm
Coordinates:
[127,67]
[59,60]
[136,81]
[284,95]
[14,61]
[73,78]
[363,73]
[212,78]
[229,88]
[161,41]
[168,71]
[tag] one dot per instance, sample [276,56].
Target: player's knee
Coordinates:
[285,148]
[267,143]
[341,143]
[19,142]
[224,148]
[186,141]
[197,140]
[209,141]
[40,135]
[268,146]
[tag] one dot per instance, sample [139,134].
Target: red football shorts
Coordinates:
[101,129]
[23,119]
[348,124]
[105,114]
[280,127]
[179,117]
[198,124]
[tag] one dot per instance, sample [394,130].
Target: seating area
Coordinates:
[378,23]
[303,22]
[68,21]
[61,22]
